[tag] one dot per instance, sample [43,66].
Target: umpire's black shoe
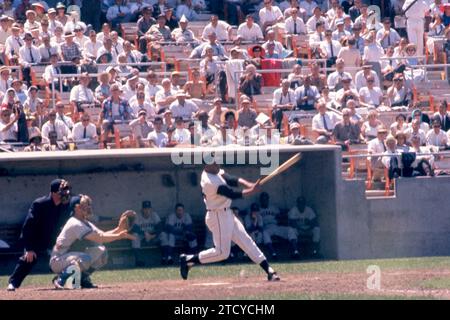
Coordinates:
[184,268]
[86,282]
[272,276]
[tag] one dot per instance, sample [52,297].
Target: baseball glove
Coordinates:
[126,220]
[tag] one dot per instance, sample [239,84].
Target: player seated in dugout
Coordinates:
[304,226]
[80,243]
[178,227]
[147,229]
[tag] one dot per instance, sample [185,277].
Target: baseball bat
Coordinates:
[286,165]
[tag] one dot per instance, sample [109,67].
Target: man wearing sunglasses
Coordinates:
[45,218]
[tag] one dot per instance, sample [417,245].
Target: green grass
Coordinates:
[149,274]
[436,283]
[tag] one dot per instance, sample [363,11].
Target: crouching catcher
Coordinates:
[80,243]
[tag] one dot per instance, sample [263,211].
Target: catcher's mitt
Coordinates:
[126,220]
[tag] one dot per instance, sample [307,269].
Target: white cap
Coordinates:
[184,19]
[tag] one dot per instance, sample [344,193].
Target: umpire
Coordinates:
[44,221]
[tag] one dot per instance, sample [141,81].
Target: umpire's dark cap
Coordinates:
[54,186]
[146,204]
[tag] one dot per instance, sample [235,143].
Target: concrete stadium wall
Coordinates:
[415,223]
[120,179]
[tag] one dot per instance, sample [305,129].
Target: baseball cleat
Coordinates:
[273,277]
[59,283]
[86,283]
[184,268]
[11,287]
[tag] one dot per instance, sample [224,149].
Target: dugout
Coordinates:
[120,179]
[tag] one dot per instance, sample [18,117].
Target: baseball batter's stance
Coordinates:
[223,224]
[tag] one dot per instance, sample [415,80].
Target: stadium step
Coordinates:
[379,194]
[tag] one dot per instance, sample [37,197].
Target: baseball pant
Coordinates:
[225,228]
[314,233]
[415,30]
[21,270]
[91,258]
[274,230]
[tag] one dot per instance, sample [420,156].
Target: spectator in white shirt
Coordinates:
[92,46]
[283,100]
[317,37]
[271,38]
[362,75]
[52,22]
[437,137]
[323,123]
[249,31]
[140,103]
[329,48]
[220,28]
[340,32]
[59,107]
[47,48]
[8,125]
[387,36]
[269,15]
[370,96]
[166,96]
[84,133]
[152,86]
[52,70]
[182,107]
[415,10]
[306,95]
[31,22]
[377,146]
[80,38]
[28,56]
[13,43]
[415,131]
[334,79]
[294,24]
[56,126]
[157,138]
[372,51]
[181,135]
[81,93]
[311,23]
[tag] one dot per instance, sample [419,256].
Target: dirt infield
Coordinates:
[407,284]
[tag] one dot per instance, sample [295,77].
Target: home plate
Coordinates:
[206,284]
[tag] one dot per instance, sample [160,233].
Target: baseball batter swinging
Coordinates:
[223,224]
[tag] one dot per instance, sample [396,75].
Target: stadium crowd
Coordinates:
[339,64]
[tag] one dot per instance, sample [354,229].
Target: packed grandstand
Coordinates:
[368,76]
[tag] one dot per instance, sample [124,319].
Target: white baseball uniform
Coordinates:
[221,221]
[270,225]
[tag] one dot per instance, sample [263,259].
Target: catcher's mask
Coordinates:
[85,205]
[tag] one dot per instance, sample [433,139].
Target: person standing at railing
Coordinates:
[415,10]
[28,56]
